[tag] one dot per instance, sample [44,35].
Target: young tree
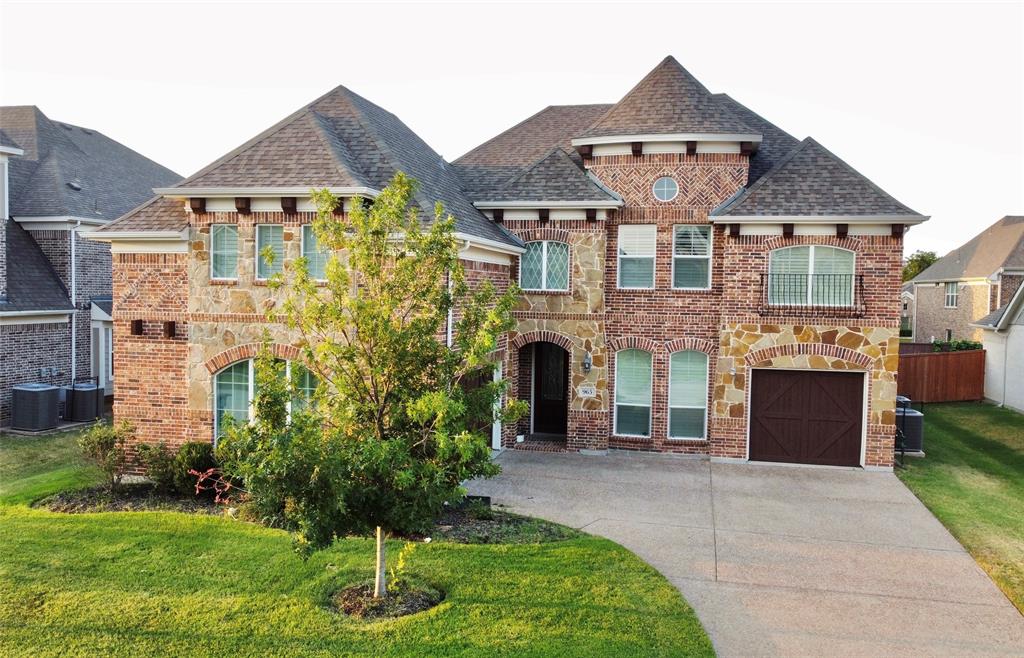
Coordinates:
[918,262]
[400,418]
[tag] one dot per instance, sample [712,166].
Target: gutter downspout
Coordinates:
[74,303]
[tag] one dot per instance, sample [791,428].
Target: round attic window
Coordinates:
[665,189]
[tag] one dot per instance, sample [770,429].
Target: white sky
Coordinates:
[925,99]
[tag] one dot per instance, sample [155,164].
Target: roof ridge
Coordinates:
[747,191]
[530,167]
[321,125]
[511,128]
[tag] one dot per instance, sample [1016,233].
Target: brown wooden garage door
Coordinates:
[806,417]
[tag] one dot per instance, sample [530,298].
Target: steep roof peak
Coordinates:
[668,100]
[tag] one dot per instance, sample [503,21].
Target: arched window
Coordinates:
[633,393]
[688,395]
[234,389]
[544,266]
[811,275]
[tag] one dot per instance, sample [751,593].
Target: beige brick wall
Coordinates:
[933,318]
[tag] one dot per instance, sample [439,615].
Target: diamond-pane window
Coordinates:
[544,266]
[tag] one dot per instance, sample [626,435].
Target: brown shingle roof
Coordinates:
[668,100]
[157,214]
[554,177]
[999,246]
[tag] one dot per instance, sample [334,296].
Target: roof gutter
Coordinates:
[216,192]
[581,205]
[16,314]
[493,245]
[668,137]
[140,236]
[11,150]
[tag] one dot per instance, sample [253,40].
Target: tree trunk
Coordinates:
[380,581]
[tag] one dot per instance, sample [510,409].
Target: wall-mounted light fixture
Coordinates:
[588,361]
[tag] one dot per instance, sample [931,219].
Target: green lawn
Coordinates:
[972,479]
[162,583]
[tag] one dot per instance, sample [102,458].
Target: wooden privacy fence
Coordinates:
[942,376]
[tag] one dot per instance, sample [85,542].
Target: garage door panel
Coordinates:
[806,417]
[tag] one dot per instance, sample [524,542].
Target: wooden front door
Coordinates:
[550,389]
[806,417]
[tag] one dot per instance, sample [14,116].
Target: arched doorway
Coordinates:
[549,390]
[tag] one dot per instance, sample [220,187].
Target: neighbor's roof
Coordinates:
[554,177]
[7,142]
[68,171]
[812,181]
[999,246]
[493,163]
[32,283]
[1001,318]
[339,140]
[668,101]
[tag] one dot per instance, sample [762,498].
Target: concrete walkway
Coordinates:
[779,560]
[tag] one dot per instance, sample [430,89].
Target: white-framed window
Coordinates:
[665,189]
[269,235]
[688,395]
[952,294]
[223,251]
[108,337]
[637,246]
[633,393]
[234,391]
[811,275]
[316,256]
[691,257]
[544,266]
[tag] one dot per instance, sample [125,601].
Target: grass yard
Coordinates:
[972,479]
[172,584]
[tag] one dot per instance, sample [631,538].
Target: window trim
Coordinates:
[302,250]
[215,227]
[670,407]
[711,248]
[256,244]
[619,257]
[654,186]
[809,302]
[955,294]
[544,268]
[615,399]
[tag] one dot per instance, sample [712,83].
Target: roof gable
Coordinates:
[668,101]
[554,177]
[812,181]
[1001,245]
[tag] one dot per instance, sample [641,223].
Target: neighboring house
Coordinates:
[695,279]
[60,182]
[969,282]
[1002,335]
[907,310]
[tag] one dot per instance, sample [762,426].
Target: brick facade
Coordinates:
[27,348]
[934,319]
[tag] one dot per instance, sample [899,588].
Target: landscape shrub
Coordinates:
[193,456]
[159,463]
[955,345]
[104,446]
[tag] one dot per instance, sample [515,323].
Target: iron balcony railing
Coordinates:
[822,295]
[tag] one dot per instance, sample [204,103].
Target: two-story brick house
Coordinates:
[57,183]
[695,279]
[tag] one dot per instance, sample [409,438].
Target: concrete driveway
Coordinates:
[778,560]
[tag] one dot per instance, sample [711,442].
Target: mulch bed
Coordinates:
[128,498]
[357,601]
[483,525]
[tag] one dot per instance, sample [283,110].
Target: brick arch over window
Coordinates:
[779,242]
[249,351]
[541,337]
[535,234]
[766,356]
[633,343]
[696,344]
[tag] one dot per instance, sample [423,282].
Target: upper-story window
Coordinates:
[315,255]
[811,275]
[224,251]
[637,244]
[665,189]
[952,294]
[544,266]
[633,393]
[691,257]
[269,235]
